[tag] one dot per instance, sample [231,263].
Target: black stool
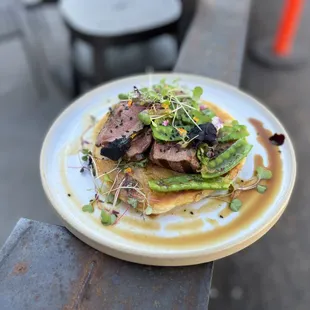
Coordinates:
[102,25]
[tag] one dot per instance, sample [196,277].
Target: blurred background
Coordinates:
[53,51]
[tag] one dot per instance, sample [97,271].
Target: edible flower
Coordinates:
[165,105]
[217,122]
[165,122]
[202,107]
[128,170]
[129,103]
[277,139]
[182,131]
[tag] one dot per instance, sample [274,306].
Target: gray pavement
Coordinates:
[272,274]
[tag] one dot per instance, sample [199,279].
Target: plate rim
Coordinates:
[165,258]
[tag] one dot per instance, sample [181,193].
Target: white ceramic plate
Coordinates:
[178,238]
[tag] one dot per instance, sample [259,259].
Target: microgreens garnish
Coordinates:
[148,210]
[169,106]
[110,199]
[261,188]
[88,208]
[133,202]
[107,218]
[197,92]
[174,114]
[89,163]
[235,205]
[263,173]
[239,185]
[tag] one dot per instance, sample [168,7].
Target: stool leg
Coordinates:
[76,87]
[98,64]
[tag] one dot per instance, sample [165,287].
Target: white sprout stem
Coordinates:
[94,163]
[245,188]
[128,187]
[182,105]
[192,119]
[117,193]
[218,195]
[165,115]
[192,139]
[101,175]
[174,117]
[115,181]
[186,105]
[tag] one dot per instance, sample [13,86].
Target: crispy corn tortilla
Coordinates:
[160,202]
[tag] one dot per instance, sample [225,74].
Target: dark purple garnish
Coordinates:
[277,139]
[116,213]
[116,149]
[207,133]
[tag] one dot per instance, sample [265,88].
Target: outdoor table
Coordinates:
[44,266]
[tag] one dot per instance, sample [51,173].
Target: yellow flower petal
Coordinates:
[182,131]
[128,170]
[165,105]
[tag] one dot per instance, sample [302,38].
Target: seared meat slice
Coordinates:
[139,145]
[122,123]
[172,156]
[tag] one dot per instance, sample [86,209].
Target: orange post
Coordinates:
[287,27]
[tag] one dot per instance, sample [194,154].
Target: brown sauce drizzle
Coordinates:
[185,226]
[254,205]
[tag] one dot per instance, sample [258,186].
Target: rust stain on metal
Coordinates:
[20,268]
[81,286]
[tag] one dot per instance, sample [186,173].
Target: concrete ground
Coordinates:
[272,274]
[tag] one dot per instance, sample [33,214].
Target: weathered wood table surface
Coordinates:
[43,266]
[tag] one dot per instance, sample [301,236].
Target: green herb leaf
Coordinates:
[235,205]
[85,151]
[141,164]
[85,157]
[122,96]
[263,174]
[107,218]
[148,210]
[208,112]
[163,81]
[153,95]
[88,208]
[164,92]
[106,178]
[133,202]
[109,198]
[145,118]
[197,92]
[261,188]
